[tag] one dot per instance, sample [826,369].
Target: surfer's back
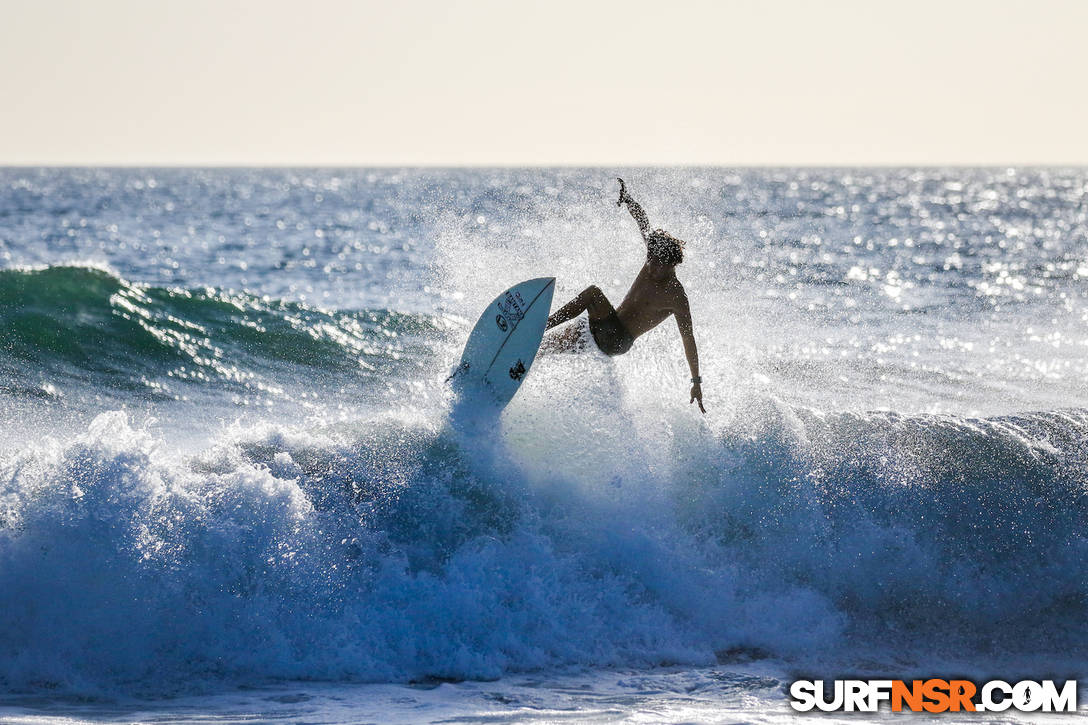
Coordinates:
[655,294]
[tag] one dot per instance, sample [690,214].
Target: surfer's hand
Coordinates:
[697,394]
[623,192]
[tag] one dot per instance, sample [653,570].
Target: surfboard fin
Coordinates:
[459,369]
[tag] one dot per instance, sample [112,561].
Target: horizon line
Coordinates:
[564,165]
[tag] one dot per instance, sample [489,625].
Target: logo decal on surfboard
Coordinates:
[512,306]
[518,370]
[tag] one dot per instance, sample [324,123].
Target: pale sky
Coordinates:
[503,82]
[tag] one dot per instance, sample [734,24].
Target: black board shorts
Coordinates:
[610,335]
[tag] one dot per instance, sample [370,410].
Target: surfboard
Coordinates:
[503,344]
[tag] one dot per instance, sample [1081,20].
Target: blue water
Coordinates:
[227,462]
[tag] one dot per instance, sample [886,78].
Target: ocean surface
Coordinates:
[230,489]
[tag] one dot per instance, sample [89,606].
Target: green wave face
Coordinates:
[84,323]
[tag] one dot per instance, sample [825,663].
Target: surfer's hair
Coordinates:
[664,248]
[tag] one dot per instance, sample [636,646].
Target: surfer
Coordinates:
[655,294]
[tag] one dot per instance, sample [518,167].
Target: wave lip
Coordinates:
[86,323]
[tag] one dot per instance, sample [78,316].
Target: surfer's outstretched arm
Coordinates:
[635,208]
[683,321]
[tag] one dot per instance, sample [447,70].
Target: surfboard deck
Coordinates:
[503,344]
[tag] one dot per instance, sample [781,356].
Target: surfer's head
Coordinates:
[664,248]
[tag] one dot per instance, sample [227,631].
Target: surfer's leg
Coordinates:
[591,299]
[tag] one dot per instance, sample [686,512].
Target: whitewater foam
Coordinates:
[388,550]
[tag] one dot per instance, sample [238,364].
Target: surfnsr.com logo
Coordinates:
[933,695]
